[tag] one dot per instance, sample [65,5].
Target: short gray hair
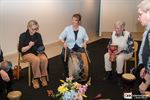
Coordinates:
[32,22]
[120,23]
[144,5]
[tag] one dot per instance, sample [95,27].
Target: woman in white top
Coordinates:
[123,40]
[73,37]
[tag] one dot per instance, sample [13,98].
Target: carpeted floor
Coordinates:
[109,89]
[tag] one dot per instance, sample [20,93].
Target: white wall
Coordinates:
[113,10]
[52,15]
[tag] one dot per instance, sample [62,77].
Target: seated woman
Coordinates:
[122,39]
[6,77]
[74,38]
[32,49]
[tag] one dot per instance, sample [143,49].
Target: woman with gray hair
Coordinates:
[144,53]
[122,39]
[32,49]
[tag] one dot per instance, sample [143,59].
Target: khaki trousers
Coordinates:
[39,64]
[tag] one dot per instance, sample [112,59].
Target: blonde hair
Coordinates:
[120,23]
[32,22]
[144,5]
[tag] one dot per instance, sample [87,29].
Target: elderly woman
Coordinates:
[144,53]
[122,39]
[32,49]
[75,38]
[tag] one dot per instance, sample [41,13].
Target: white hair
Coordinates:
[144,5]
[120,23]
[32,22]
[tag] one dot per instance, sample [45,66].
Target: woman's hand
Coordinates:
[31,44]
[84,45]
[143,87]
[65,45]
[26,48]
[142,73]
[4,75]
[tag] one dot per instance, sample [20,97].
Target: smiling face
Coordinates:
[75,21]
[119,29]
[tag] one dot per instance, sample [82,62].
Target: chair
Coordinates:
[20,60]
[133,58]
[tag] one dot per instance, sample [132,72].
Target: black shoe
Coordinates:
[119,79]
[108,75]
[3,94]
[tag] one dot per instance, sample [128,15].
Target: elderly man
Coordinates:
[144,53]
[122,39]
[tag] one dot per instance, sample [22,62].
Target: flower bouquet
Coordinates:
[70,90]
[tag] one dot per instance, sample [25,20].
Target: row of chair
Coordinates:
[20,60]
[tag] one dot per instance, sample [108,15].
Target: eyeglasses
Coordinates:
[35,29]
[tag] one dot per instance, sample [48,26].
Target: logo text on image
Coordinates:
[127,95]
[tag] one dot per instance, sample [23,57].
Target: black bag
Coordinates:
[40,49]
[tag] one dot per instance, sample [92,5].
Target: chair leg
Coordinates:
[18,72]
[47,77]
[135,63]
[125,65]
[29,74]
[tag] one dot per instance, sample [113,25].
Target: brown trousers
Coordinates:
[39,64]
